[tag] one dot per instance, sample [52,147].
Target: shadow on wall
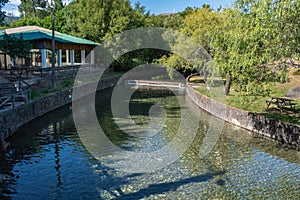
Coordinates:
[280,131]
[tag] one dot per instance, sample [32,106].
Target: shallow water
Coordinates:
[47,159]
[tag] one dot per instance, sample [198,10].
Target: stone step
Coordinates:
[7,89]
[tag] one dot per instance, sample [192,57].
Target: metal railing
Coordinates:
[23,91]
[25,94]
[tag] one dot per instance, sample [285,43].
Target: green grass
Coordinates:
[297,72]
[34,94]
[96,78]
[112,74]
[257,103]
[68,83]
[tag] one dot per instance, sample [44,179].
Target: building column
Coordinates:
[67,56]
[5,61]
[72,57]
[44,58]
[59,58]
[92,57]
[82,56]
[12,62]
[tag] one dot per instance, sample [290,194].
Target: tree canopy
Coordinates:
[14,47]
[38,8]
[2,13]
[99,19]
[241,40]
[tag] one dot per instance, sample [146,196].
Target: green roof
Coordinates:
[44,34]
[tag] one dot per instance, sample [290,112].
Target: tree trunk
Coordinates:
[205,74]
[228,84]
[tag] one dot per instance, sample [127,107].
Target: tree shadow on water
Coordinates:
[170,186]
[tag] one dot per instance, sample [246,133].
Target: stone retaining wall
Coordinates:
[12,119]
[280,131]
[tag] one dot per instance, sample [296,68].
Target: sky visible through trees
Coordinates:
[156,7]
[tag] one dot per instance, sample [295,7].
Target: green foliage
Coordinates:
[2,13]
[58,5]
[97,20]
[243,40]
[197,27]
[46,22]
[136,58]
[34,94]
[59,21]
[27,21]
[29,8]
[255,36]
[200,25]
[61,85]
[38,8]
[170,21]
[282,77]
[297,73]
[15,47]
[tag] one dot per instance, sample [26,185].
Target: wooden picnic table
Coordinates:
[281,103]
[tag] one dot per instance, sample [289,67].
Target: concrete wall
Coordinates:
[12,119]
[280,131]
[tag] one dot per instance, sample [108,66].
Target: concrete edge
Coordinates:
[281,131]
[12,119]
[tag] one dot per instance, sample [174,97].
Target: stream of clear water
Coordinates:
[47,159]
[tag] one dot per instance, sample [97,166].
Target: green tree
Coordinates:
[58,5]
[15,46]
[280,22]
[60,22]
[199,25]
[256,34]
[38,8]
[170,21]
[140,15]
[99,19]
[29,8]
[2,13]
[27,21]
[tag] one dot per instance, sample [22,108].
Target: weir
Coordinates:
[154,83]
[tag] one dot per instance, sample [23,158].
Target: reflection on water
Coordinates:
[48,161]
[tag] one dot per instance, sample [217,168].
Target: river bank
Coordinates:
[12,119]
[287,133]
[281,131]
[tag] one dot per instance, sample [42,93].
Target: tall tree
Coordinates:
[280,22]
[38,8]
[58,5]
[2,13]
[30,8]
[198,24]
[15,46]
[99,19]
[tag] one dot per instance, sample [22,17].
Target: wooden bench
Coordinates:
[281,103]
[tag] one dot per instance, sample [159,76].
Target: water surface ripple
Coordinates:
[48,161]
